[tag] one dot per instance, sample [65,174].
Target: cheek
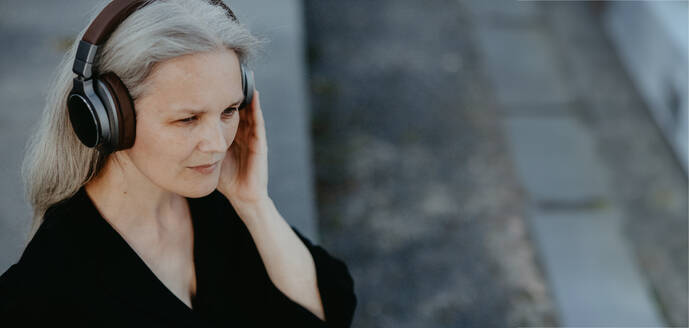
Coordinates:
[159,149]
[232,130]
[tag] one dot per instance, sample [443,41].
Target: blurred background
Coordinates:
[487,163]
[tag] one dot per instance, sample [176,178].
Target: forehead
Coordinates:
[197,81]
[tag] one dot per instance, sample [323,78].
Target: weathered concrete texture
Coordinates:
[502,13]
[520,63]
[556,160]
[647,182]
[594,276]
[415,188]
[556,156]
[652,40]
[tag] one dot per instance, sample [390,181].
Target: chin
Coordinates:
[197,194]
[199,189]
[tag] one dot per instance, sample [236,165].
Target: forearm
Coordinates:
[288,262]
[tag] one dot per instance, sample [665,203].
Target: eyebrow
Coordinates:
[200,111]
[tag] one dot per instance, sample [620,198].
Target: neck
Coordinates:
[130,201]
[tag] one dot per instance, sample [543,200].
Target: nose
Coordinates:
[213,138]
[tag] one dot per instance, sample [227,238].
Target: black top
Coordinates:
[78,270]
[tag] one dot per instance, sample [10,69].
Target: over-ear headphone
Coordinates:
[100,108]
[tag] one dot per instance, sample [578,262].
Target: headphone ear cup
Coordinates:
[84,118]
[247,86]
[123,109]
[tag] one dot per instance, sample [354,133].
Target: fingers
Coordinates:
[252,125]
[257,112]
[260,128]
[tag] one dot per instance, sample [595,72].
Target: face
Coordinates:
[186,120]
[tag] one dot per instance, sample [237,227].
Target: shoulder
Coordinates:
[57,237]
[45,271]
[55,248]
[59,266]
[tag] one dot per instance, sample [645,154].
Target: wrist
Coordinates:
[243,198]
[252,208]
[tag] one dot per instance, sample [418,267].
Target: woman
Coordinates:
[175,228]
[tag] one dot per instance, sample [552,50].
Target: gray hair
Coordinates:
[56,163]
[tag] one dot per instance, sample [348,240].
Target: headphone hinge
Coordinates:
[83,62]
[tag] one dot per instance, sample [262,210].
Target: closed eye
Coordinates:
[188,119]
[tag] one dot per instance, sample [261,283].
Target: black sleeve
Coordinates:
[334,281]
[8,293]
[29,299]
[335,285]
[37,289]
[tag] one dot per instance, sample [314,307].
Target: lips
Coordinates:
[207,168]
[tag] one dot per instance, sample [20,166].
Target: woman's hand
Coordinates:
[244,171]
[244,181]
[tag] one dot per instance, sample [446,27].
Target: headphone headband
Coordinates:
[108,20]
[105,23]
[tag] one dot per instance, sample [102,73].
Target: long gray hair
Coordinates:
[56,164]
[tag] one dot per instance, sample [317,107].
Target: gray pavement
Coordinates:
[489,164]
[35,34]
[648,185]
[415,187]
[592,273]
[578,231]
[577,221]
[556,159]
